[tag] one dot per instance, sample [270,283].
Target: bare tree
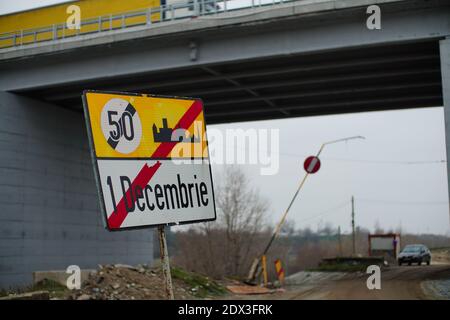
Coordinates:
[242,214]
[230,243]
[377,227]
[288,228]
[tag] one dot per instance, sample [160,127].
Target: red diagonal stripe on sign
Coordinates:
[185,122]
[116,219]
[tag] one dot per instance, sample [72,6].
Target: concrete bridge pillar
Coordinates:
[445,71]
[49,211]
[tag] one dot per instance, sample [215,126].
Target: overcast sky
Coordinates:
[8,6]
[396,175]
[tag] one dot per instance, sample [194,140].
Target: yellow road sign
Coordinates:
[153,119]
[280,271]
[151,159]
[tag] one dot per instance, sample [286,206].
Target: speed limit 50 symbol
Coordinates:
[121,125]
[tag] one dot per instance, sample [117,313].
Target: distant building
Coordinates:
[386,245]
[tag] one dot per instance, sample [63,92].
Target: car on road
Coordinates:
[414,253]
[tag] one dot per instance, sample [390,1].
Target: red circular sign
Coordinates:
[312,164]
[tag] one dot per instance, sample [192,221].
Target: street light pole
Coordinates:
[339,242]
[255,264]
[353,226]
[280,224]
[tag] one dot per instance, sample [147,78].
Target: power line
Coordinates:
[407,162]
[327,212]
[368,161]
[334,209]
[404,202]
[399,162]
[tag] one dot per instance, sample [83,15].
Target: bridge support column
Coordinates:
[445,72]
[49,212]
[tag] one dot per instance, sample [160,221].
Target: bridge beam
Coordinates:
[278,32]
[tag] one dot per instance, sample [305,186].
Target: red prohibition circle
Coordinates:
[311,164]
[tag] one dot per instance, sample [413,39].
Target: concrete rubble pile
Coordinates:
[118,282]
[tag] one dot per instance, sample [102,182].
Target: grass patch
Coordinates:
[3,293]
[48,285]
[202,286]
[54,288]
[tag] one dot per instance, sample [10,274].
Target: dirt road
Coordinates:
[396,283]
[405,282]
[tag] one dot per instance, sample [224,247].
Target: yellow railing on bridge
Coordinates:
[112,21]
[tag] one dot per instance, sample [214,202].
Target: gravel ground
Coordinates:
[309,277]
[437,289]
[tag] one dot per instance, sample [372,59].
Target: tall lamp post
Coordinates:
[254,270]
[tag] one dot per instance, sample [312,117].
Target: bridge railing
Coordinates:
[186,9]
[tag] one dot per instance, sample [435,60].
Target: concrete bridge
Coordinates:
[287,60]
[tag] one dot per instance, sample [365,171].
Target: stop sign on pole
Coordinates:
[312,164]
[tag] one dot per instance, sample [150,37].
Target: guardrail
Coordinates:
[182,10]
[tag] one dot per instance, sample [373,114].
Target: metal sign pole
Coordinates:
[264,268]
[165,262]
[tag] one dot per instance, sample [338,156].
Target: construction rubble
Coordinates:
[119,282]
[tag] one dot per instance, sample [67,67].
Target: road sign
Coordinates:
[280,271]
[312,164]
[151,159]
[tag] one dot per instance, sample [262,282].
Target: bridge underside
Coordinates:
[381,77]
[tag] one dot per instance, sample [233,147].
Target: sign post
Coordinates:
[165,262]
[151,162]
